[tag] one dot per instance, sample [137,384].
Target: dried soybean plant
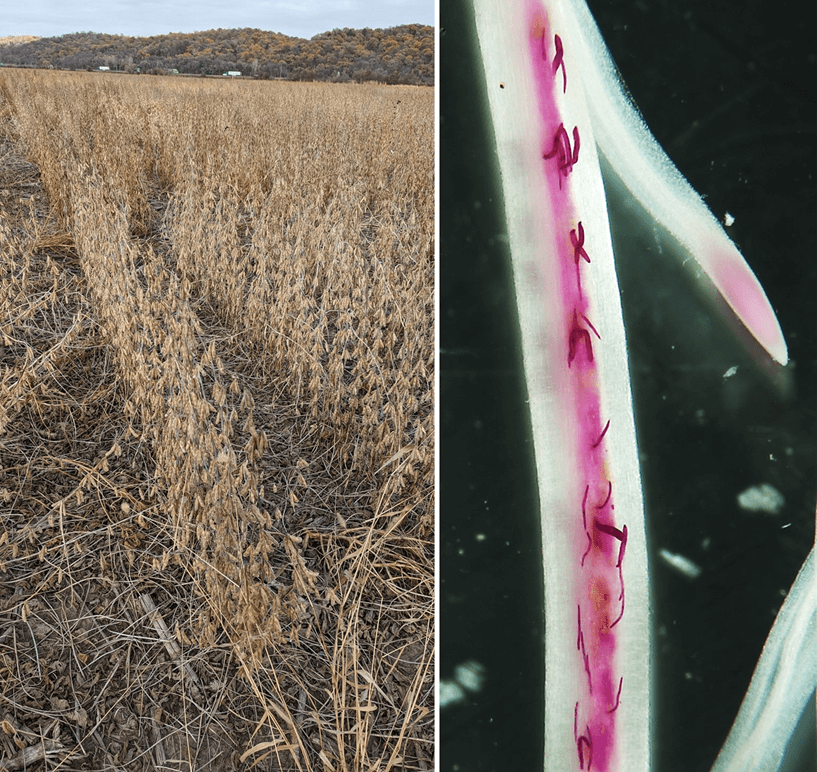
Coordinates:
[216,423]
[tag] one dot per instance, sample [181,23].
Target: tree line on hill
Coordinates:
[403,54]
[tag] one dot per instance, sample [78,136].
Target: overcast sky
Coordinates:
[302,19]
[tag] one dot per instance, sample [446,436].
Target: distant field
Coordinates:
[216,424]
[14,40]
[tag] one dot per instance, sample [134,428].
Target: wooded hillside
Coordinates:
[402,54]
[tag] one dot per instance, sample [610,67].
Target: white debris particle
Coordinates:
[481,537]
[450,693]
[730,372]
[761,498]
[468,677]
[728,219]
[470,674]
[681,564]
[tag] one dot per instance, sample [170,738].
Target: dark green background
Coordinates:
[728,88]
